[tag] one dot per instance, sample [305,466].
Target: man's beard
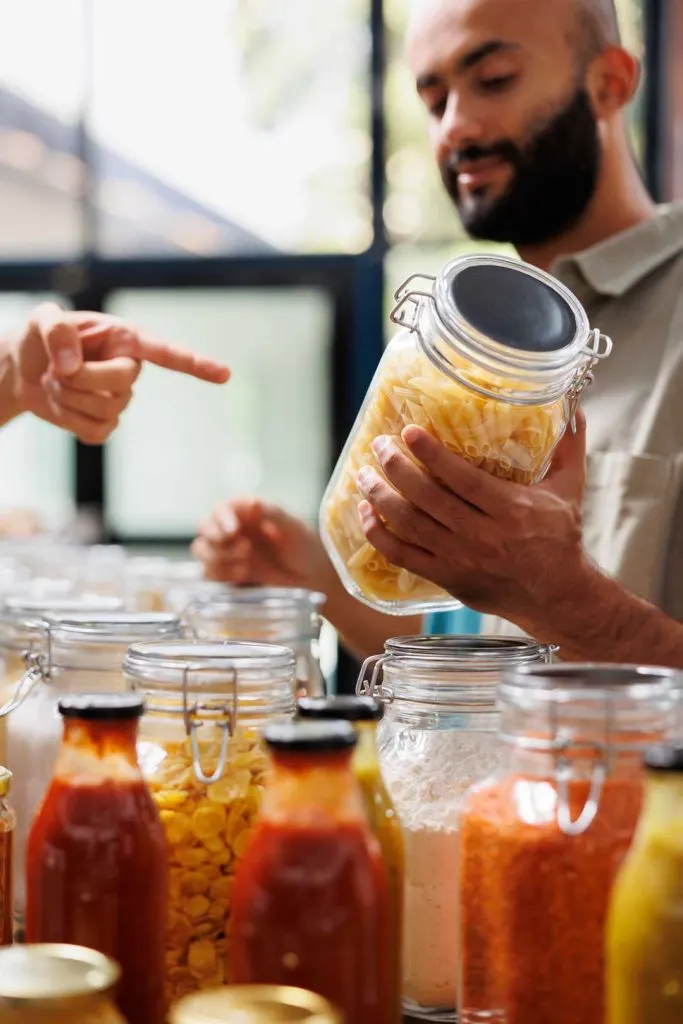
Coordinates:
[554,178]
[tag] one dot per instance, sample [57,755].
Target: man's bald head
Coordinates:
[598,25]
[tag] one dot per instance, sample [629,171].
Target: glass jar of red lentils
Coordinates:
[541,841]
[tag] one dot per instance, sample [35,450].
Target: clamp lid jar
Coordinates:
[201,755]
[492,359]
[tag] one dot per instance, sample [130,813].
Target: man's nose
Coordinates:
[459,127]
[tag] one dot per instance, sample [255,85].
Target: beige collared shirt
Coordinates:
[631,287]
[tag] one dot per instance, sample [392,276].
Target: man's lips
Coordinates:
[473,174]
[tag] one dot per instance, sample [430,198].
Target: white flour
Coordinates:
[428,774]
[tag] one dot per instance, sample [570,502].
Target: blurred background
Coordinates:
[250,178]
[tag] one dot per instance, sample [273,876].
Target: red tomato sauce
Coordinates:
[96,876]
[310,908]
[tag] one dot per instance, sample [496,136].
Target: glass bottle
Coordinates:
[364,713]
[496,382]
[96,871]
[541,841]
[57,984]
[645,925]
[8,821]
[310,905]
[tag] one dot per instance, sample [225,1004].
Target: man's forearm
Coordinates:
[362,630]
[598,620]
[9,403]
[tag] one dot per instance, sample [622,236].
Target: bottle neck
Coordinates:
[663,807]
[319,791]
[96,750]
[366,755]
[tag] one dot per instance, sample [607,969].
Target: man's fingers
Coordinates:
[86,429]
[471,484]
[60,337]
[567,474]
[182,360]
[220,569]
[113,375]
[403,519]
[102,408]
[398,552]
[419,488]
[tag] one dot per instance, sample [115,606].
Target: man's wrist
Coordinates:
[575,616]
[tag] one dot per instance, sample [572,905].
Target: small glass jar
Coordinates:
[57,984]
[149,580]
[437,737]
[63,652]
[23,632]
[201,755]
[497,382]
[278,615]
[542,839]
[8,821]
[257,1004]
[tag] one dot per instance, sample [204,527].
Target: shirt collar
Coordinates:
[614,266]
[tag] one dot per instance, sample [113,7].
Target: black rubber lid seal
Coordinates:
[343,707]
[309,737]
[664,757]
[102,706]
[513,308]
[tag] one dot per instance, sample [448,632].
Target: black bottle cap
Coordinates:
[344,708]
[664,757]
[310,737]
[101,706]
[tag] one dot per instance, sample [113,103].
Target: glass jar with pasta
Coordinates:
[201,755]
[492,360]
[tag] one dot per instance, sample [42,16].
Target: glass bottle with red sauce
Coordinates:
[96,871]
[311,899]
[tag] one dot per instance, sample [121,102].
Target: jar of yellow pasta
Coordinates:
[492,359]
[201,755]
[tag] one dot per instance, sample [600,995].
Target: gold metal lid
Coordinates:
[53,974]
[5,781]
[254,1004]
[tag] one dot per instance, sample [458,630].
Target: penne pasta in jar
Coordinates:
[492,363]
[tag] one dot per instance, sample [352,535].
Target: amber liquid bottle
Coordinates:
[97,860]
[310,904]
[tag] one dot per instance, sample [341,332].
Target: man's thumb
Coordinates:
[566,475]
[61,339]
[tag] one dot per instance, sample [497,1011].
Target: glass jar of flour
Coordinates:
[437,738]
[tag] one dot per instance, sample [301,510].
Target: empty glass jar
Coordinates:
[280,615]
[73,653]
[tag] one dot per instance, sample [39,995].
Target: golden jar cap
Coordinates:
[5,781]
[53,974]
[254,1004]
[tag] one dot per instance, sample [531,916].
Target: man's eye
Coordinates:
[437,108]
[497,84]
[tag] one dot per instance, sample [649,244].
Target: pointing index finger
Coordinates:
[470,483]
[182,360]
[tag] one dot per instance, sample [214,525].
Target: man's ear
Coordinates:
[612,81]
